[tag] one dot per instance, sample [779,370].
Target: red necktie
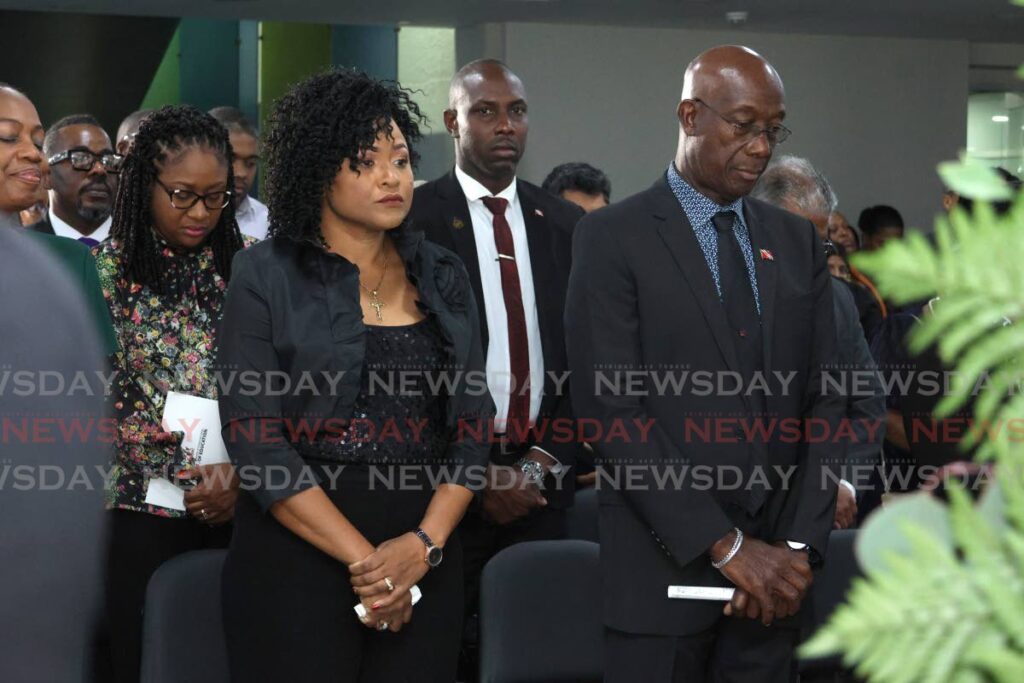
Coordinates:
[518,346]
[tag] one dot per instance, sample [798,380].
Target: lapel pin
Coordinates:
[459,225]
[539,212]
[767,255]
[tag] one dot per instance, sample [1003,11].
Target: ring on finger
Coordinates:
[382,626]
[389,583]
[202,513]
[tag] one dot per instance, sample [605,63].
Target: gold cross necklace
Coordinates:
[375,302]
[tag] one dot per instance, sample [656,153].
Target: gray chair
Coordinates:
[183,632]
[828,592]
[581,518]
[522,638]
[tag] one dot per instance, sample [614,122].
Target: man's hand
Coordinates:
[846,508]
[771,580]
[213,499]
[509,494]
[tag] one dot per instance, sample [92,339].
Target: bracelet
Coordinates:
[732,551]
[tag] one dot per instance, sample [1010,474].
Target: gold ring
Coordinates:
[389,583]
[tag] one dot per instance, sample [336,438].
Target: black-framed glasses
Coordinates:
[83,159]
[749,131]
[183,200]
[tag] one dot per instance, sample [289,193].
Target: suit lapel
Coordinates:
[457,221]
[767,273]
[543,269]
[679,237]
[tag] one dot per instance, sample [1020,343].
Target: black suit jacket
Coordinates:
[441,211]
[43,225]
[641,297]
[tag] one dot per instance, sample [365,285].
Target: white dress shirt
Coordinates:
[499,373]
[62,229]
[253,218]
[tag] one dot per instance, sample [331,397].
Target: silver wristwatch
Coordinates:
[533,470]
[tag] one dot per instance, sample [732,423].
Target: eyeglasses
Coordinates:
[750,131]
[83,159]
[183,200]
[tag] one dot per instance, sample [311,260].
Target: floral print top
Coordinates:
[167,343]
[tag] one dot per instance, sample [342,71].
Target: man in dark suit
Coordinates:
[83,180]
[708,489]
[516,242]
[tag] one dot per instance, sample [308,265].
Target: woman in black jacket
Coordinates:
[356,376]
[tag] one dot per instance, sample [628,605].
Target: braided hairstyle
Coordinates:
[168,130]
[320,122]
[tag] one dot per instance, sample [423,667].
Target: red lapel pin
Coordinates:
[767,255]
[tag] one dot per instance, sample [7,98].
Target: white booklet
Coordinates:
[198,419]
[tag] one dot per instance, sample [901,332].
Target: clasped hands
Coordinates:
[771,579]
[383,578]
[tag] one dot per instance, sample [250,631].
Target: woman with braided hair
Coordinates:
[164,272]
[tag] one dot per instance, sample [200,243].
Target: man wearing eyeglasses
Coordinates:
[83,180]
[694,280]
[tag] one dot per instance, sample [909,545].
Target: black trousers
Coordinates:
[288,606]
[733,651]
[139,544]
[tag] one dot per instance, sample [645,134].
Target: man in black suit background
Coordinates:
[692,276]
[83,180]
[516,242]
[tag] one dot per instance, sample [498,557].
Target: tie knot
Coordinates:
[496,205]
[723,221]
[88,241]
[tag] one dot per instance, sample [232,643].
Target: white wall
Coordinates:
[874,114]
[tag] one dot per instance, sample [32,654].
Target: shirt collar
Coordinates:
[244,207]
[474,191]
[63,229]
[699,208]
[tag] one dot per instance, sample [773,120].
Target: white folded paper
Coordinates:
[414,592]
[700,593]
[198,420]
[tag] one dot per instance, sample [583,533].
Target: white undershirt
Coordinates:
[499,375]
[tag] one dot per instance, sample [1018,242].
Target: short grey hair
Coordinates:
[794,180]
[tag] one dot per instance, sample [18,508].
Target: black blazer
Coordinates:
[641,297]
[292,307]
[43,225]
[441,211]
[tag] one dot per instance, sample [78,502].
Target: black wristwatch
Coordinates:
[434,553]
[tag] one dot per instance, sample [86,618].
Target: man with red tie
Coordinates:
[516,242]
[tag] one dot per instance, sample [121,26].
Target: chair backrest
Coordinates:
[581,518]
[522,636]
[830,587]
[183,632]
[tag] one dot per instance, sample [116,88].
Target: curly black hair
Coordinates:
[318,124]
[167,130]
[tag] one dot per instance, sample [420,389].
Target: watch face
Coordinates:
[434,556]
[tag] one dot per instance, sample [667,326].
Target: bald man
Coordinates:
[698,320]
[516,242]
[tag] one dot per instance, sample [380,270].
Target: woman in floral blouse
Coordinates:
[164,273]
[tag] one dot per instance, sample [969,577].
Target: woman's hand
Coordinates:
[212,501]
[401,561]
[396,616]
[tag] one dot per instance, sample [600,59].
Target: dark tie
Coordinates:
[88,241]
[745,322]
[737,293]
[518,346]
